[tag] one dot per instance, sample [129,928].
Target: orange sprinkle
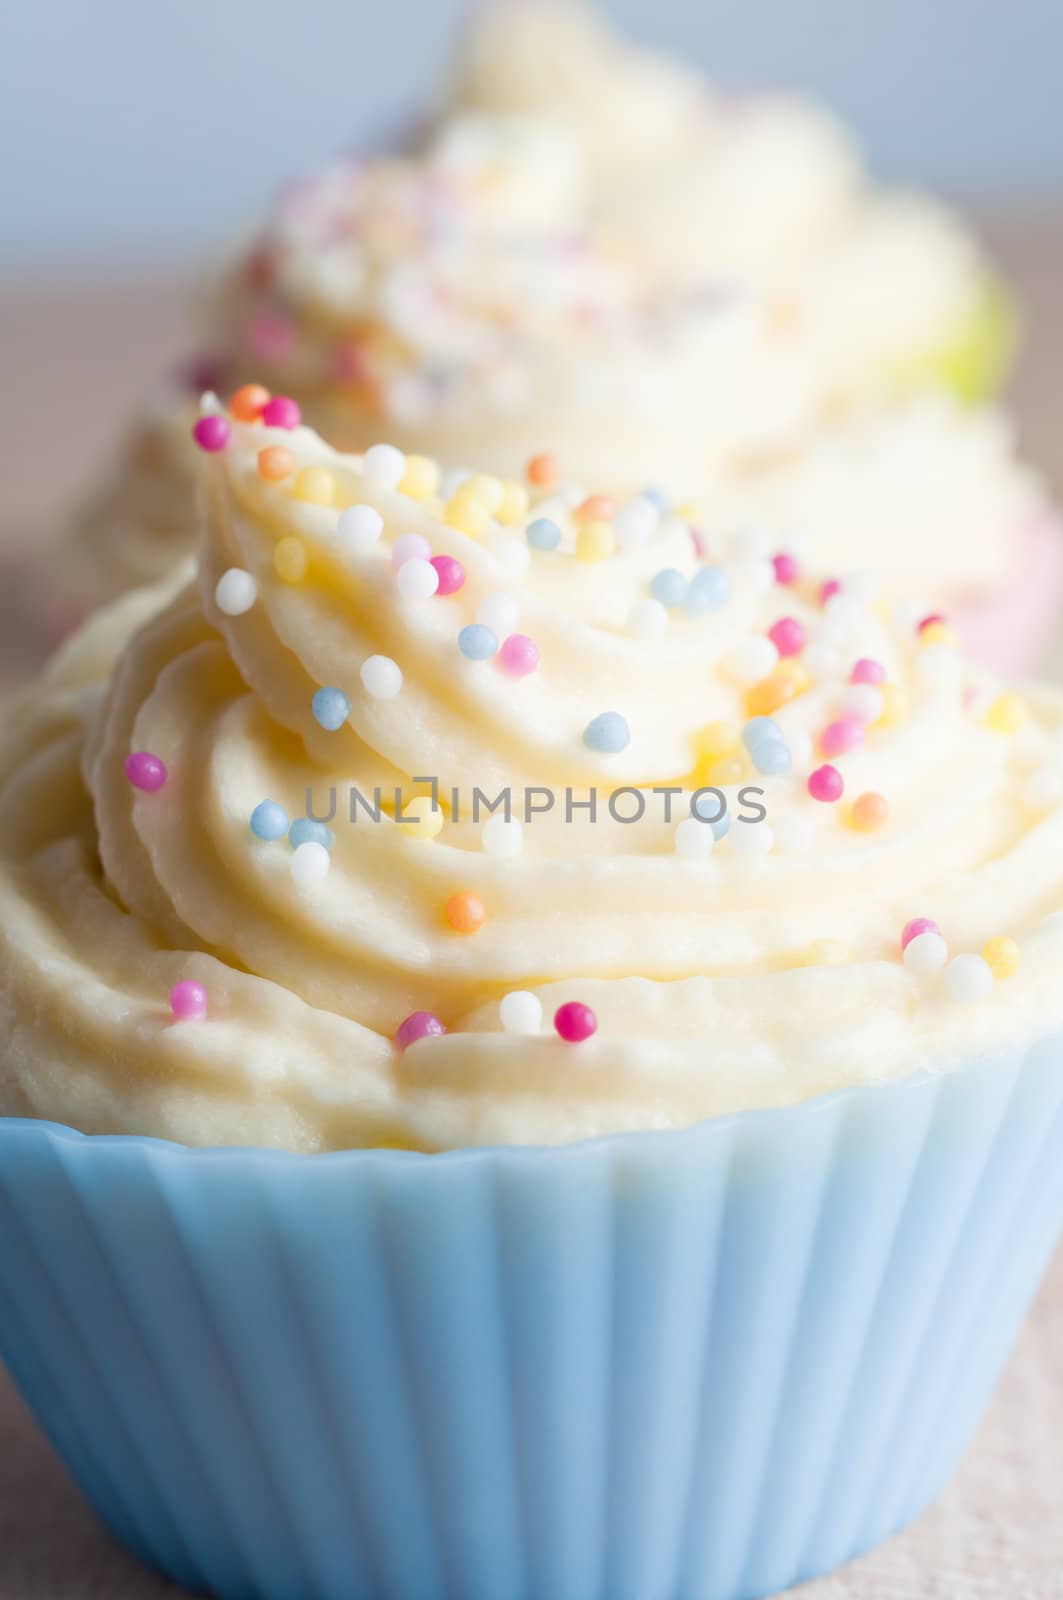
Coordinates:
[246,404]
[465,912]
[275,463]
[543,470]
[596,508]
[869,811]
[788,680]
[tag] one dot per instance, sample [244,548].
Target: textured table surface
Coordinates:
[73,358]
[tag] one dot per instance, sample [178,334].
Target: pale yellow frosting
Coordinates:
[755,977]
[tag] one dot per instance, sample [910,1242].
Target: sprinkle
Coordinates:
[305,830]
[788,636]
[785,683]
[275,463]
[422,818]
[467,516]
[894,706]
[1007,714]
[608,733]
[421,478]
[359,528]
[410,547]
[381,677]
[418,1025]
[188,1001]
[930,621]
[838,738]
[823,660]
[145,771]
[634,523]
[513,507]
[384,466]
[510,551]
[868,671]
[520,1011]
[269,820]
[212,433]
[916,926]
[575,1022]
[543,534]
[417,580]
[926,954]
[451,574]
[489,492]
[826,784]
[246,403]
[937,633]
[595,541]
[235,592]
[717,740]
[863,703]
[760,730]
[499,613]
[869,811]
[968,977]
[1002,956]
[786,568]
[519,655]
[477,642]
[282,412]
[543,471]
[331,709]
[647,619]
[709,590]
[595,508]
[465,912]
[315,485]
[694,839]
[751,661]
[773,758]
[751,838]
[669,587]
[310,863]
[502,836]
[290,559]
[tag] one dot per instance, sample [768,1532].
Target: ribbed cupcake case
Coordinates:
[693,1366]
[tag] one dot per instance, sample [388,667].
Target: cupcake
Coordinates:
[588,243]
[531,1049]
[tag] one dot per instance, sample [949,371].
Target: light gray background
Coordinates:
[143,129]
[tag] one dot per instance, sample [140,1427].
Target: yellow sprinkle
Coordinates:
[716,740]
[732,769]
[490,492]
[469,516]
[824,953]
[421,478]
[783,684]
[894,707]
[937,633]
[687,512]
[1002,956]
[289,560]
[514,505]
[316,485]
[595,541]
[1007,714]
[421,819]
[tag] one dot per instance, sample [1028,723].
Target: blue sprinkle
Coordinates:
[705,807]
[304,830]
[658,497]
[669,587]
[721,827]
[760,731]
[709,590]
[331,708]
[269,820]
[772,757]
[477,641]
[608,733]
[544,534]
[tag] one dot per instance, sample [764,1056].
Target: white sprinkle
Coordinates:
[416,579]
[358,529]
[648,619]
[381,677]
[310,862]
[968,977]
[452,481]
[520,1011]
[751,660]
[793,832]
[209,404]
[502,838]
[236,592]
[937,663]
[384,466]
[499,613]
[751,838]
[823,661]
[511,551]
[634,524]
[863,701]
[694,839]
[926,954]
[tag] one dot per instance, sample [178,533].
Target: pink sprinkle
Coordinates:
[410,547]
[928,622]
[868,671]
[451,574]
[519,655]
[281,412]
[838,737]
[826,783]
[915,927]
[145,771]
[788,636]
[700,548]
[418,1025]
[212,433]
[786,568]
[188,1001]
[828,590]
[270,336]
[575,1022]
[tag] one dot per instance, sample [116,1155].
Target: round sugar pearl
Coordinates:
[450,574]
[867,670]
[418,1025]
[926,954]
[575,1022]
[709,591]
[839,737]
[465,912]
[864,702]
[246,403]
[384,466]
[1003,957]
[331,708]
[269,820]
[502,837]
[421,818]
[315,485]
[477,642]
[751,839]
[212,433]
[607,733]
[913,928]
[751,661]
[520,1011]
[519,655]
[648,619]
[543,534]
[359,529]
[275,463]
[417,580]
[235,592]
[772,758]
[310,862]
[410,547]
[188,1001]
[761,730]
[634,523]
[785,568]
[969,977]
[510,551]
[281,412]
[306,830]
[823,660]
[669,587]
[145,771]
[381,677]
[788,636]
[694,839]
[826,784]
[290,559]
[499,613]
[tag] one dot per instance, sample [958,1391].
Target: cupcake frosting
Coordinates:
[817,778]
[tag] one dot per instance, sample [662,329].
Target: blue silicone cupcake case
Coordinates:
[665,1366]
